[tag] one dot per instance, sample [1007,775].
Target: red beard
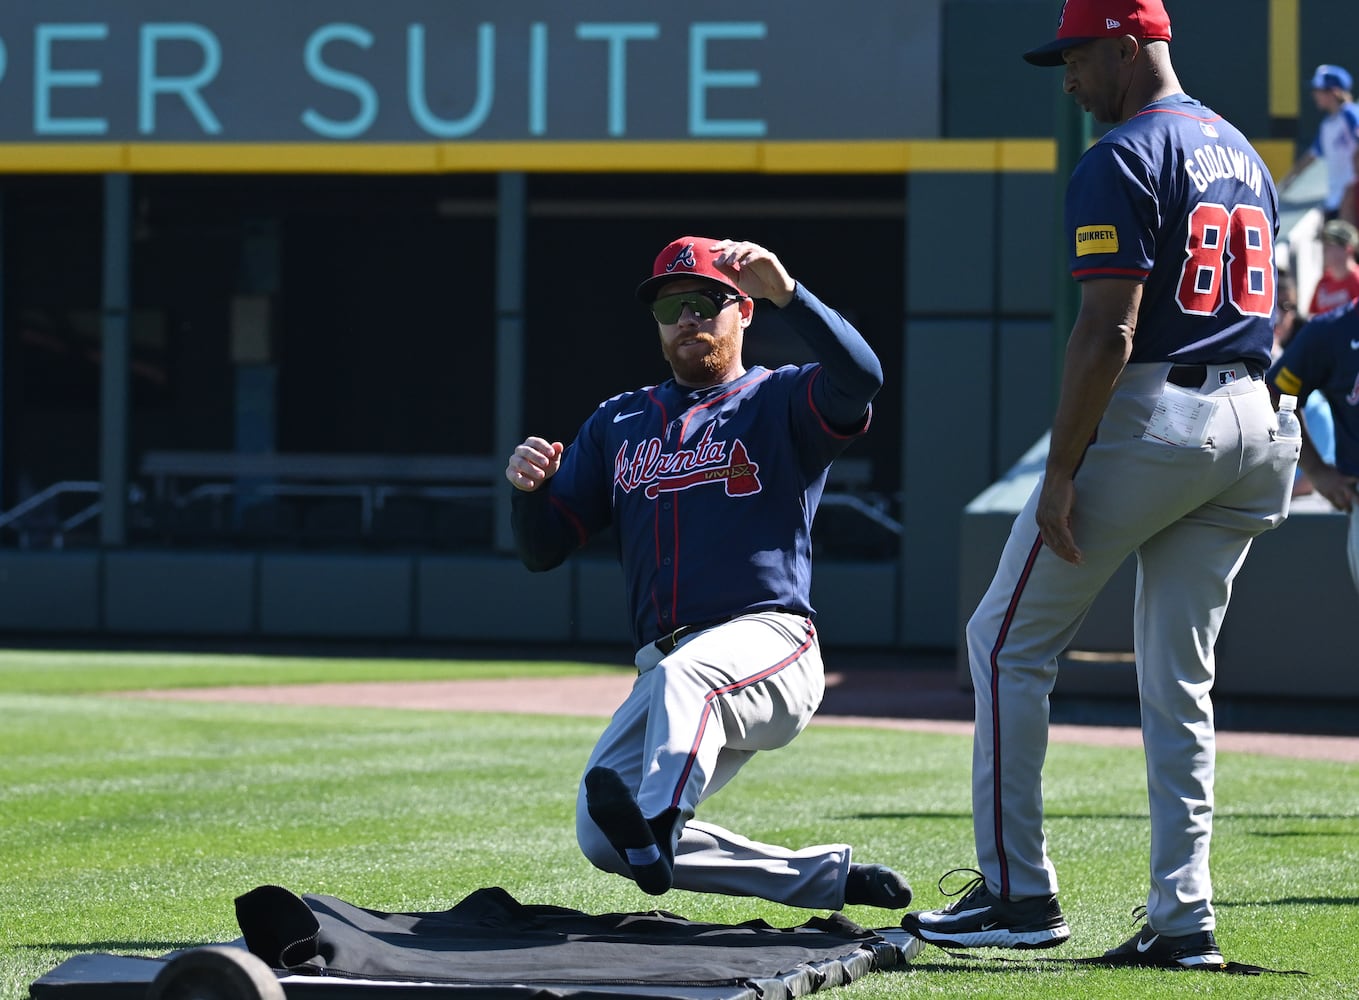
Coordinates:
[710,368]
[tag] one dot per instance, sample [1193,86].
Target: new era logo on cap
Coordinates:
[1083,21]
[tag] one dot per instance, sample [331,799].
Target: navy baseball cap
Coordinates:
[1084,21]
[1331,77]
[686,257]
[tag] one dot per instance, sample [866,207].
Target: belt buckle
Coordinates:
[670,640]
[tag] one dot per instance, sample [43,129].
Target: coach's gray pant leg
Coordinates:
[1185,578]
[1184,584]
[1029,614]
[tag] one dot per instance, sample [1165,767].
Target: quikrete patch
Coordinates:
[1096,239]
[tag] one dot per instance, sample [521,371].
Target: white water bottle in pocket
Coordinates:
[1289,428]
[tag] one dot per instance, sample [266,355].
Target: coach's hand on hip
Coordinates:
[533,463]
[1055,501]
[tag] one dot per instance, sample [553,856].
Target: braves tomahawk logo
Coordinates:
[685,258]
[655,471]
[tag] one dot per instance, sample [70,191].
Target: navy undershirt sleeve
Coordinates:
[541,539]
[851,373]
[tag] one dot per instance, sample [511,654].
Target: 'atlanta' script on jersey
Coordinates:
[656,471]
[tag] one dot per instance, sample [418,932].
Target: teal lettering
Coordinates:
[416,86]
[617,37]
[537,78]
[328,76]
[702,79]
[46,79]
[186,87]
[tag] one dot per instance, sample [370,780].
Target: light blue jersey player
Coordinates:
[711,482]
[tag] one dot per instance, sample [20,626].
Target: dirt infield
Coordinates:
[924,701]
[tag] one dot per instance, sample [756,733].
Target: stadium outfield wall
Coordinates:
[241,151]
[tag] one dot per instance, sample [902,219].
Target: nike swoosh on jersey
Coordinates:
[1146,945]
[624,416]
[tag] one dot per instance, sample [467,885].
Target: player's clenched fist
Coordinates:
[533,463]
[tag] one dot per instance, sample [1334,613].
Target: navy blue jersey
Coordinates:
[1324,356]
[1177,198]
[711,491]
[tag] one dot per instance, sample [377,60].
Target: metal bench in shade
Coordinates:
[179,478]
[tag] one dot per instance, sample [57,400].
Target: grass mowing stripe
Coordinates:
[62,672]
[139,822]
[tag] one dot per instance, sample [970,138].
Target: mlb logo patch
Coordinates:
[1227,377]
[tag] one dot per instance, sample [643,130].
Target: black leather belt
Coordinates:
[1193,376]
[670,640]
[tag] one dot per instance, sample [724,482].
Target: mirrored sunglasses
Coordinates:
[705,303]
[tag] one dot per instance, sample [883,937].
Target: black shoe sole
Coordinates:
[615,812]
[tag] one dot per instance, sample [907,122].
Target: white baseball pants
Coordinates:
[691,721]
[1190,513]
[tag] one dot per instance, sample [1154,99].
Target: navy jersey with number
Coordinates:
[1177,198]
[1324,356]
[711,492]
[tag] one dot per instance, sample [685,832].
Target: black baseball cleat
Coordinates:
[612,806]
[1161,951]
[981,919]
[876,885]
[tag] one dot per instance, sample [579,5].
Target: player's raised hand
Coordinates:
[756,271]
[533,463]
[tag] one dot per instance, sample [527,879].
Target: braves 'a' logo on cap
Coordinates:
[685,258]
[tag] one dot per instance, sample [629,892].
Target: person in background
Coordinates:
[1336,142]
[1339,281]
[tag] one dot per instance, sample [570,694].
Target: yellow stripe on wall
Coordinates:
[867,157]
[1278,155]
[946,156]
[1285,74]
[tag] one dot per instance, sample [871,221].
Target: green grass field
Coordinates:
[130,826]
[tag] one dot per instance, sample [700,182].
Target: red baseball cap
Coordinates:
[686,257]
[1084,21]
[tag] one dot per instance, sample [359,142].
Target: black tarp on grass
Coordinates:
[491,946]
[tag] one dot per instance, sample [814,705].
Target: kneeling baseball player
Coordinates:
[711,481]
